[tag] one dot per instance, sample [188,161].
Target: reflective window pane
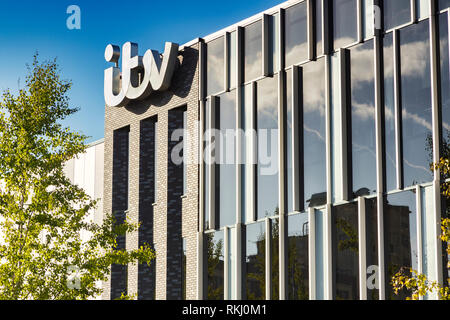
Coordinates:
[372,277]
[253,51]
[215,66]
[445,80]
[443,4]
[297,250]
[314,135]
[296,39]
[400,246]
[215,261]
[345,252]
[416,103]
[345,26]
[246,161]
[396,13]
[267,131]
[363,119]
[255,258]
[274,36]
[227,159]
[389,113]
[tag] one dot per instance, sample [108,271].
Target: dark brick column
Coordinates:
[146,274]
[174,206]
[120,204]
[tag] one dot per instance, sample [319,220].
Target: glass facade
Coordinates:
[255,261]
[314,134]
[226,159]
[330,114]
[400,227]
[253,51]
[215,265]
[363,148]
[297,251]
[215,66]
[346,252]
[345,22]
[396,13]
[416,103]
[267,146]
[296,34]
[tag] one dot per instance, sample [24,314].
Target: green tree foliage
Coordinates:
[49,249]
[418,285]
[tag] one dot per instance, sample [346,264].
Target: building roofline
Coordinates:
[243,22]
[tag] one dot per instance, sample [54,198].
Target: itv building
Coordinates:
[287,156]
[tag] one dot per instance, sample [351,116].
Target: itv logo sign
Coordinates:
[140,76]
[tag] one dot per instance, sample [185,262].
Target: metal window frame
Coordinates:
[437,133]
[362,245]
[226,264]
[312,254]
[227,56]
[398,108]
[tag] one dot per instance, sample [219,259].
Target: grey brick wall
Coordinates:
[146,274]
[183,92]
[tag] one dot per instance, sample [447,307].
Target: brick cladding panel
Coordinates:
[183,92]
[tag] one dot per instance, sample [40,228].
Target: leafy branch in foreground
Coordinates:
[418,284]
[47,235]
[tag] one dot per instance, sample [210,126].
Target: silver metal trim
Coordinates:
[360,20]
[226,47]
[362,248]
[329,254]
[281,43]
[201,225]
[268,267]
[328,80]
[397,108]
[226,265]
[265,45]
[312,254]
[238,262]
[212,165]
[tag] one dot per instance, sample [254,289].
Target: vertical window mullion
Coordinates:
[397,108]
[281,42]
[226,79]
[226,267]
[268,264]
[413,11]
[297,139]
[265,44]
[312,253]
[311,30]
[360,20]
[362,248]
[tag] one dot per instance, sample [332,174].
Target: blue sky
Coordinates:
[28,26]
